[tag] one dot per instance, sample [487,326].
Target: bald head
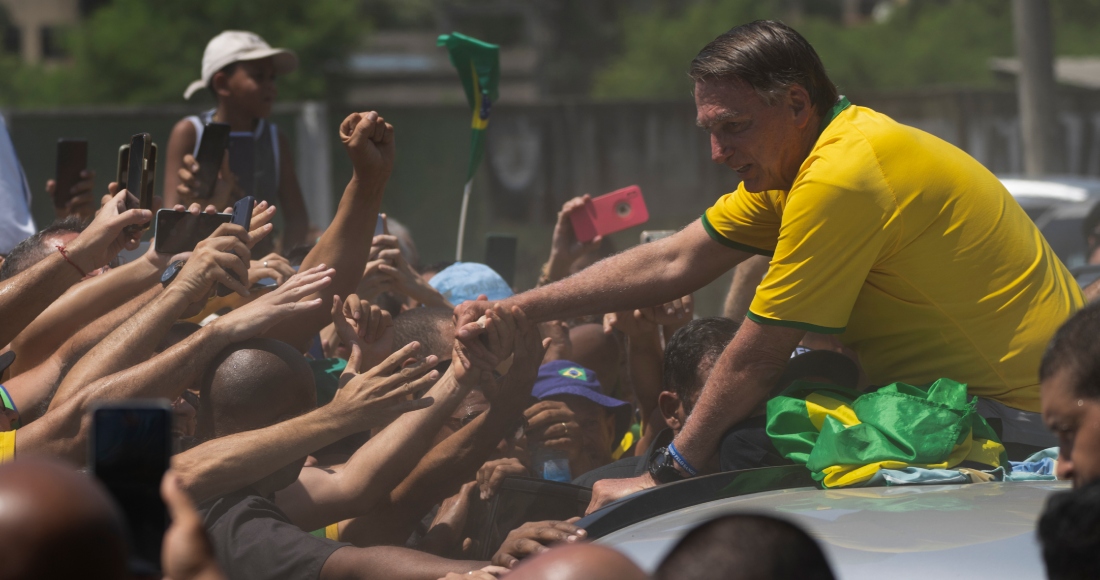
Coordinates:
[579,562]
[57,523]
[254,384]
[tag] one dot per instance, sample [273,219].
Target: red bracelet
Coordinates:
[61,250]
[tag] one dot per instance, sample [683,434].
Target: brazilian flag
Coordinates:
[478,65]
[844,437]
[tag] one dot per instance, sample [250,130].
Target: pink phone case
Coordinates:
[610,213]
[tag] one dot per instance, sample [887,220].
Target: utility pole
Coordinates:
[1036,91]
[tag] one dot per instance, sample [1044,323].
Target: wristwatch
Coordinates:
[663,468]
[170,272]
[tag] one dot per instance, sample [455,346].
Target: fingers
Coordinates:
[235,231]
[302,285]
[355,359]
[394,360]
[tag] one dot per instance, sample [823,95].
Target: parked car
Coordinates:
[1058,206]
[979,530]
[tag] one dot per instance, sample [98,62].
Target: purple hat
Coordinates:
[562,377]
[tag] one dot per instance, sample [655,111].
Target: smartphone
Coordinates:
[130,449]
[242,216]
[180,231]
[215,140]
[72,158]
[138,180]
[148,188]
[123,166]
[380,225]
[242,161]
[610,213]
[500,255]
[654,235]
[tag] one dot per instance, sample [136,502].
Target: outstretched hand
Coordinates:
[383,392]
[257,316]
[108,233]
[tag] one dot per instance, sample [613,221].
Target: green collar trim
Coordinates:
[841,104]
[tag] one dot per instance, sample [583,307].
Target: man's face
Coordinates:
[1076,422]
[765,144]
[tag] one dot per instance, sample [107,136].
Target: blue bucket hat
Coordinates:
[464,281]
[562,377]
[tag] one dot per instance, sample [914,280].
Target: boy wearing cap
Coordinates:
[239,68]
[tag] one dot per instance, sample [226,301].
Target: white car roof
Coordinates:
[1053,189]
[982,530]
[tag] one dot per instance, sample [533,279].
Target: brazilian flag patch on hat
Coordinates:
[574,373]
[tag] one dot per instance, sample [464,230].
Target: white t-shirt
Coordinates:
[16,223]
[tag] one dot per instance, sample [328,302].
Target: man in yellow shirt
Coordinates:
[901,244]
[9,422]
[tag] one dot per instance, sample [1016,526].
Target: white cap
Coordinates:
[234,46]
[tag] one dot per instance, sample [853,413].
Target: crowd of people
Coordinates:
[353,418]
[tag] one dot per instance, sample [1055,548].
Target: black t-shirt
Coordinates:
[254,540]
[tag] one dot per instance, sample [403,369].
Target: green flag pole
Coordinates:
[478,65]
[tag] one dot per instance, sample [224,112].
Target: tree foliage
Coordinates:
[920,43]
[136,51]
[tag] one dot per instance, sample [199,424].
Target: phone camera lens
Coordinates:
[622,209]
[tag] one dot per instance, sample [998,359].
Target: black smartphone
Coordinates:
[242,216]
[500,255]
[137,176]
[72,158]
[123,166]
[131,447]
[215,140]
[180,231]
[242,161]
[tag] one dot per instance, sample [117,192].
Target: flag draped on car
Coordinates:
[845,437]
[478,65]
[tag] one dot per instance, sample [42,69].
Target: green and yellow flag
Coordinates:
[844,437]
[478,65]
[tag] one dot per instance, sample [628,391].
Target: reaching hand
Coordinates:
[79,202]
[271,266]
[492,473]
[187,553]
[676,313]
[369,141]
[607,491]
[226,192]
[358,322]
[564,247]
[534,538]
[470,324]
[257,316]
[631,322]
[374,282]
[382,393]
[225,251]
[106,236]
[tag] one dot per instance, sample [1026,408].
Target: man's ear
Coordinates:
[800,105]
[672,409]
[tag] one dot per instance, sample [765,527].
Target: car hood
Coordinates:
[975,530]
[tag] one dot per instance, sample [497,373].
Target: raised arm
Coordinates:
[653,273]
[457,459]
[63,432]
[345,245]
[33,390]
[229,463]
[138,336]
[321,497]
[24,297]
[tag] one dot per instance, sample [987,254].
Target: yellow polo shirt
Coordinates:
[910,250]
[7,446]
